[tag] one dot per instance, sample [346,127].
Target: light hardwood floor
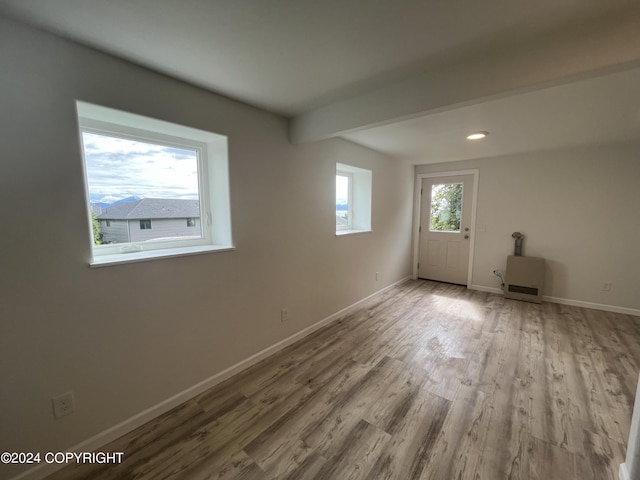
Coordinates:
[424,381]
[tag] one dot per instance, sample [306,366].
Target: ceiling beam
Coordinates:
[595,47]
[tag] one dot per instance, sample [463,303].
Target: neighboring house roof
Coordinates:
[152,208]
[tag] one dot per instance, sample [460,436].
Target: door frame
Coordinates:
[417,207]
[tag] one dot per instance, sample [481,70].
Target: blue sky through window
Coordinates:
[342,191]
[118,168]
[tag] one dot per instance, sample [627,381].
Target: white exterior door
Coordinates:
[445,228]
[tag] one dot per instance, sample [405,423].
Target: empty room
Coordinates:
[178,300]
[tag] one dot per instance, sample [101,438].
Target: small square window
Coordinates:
[191,222]
[145,224]
[353,199]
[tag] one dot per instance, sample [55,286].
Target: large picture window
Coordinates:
[149,183]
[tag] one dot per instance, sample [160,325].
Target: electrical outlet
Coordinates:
[284,315]
[377,276]
[606,286]
[63,405]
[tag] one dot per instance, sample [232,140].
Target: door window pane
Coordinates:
[446,207]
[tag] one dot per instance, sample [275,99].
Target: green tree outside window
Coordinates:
[446,207]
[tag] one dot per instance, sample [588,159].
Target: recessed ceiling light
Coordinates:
[477,135]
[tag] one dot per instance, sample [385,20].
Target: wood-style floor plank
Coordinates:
[423,381]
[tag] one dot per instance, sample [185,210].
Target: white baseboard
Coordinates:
[567,301]
[595,306]
[111,434]
[624,473]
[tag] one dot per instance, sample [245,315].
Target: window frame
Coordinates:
[212,157]
[136,134]
[360,198]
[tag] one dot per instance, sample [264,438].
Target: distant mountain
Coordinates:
[127,200]
[102,202]
[99,200]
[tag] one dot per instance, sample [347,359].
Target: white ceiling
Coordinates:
[587,112]
[319,62]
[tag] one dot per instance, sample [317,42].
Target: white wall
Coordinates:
[125,338]
[577,208]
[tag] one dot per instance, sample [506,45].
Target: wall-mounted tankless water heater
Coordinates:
[525,278]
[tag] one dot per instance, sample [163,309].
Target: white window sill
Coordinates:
[340,233]
[134,257]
